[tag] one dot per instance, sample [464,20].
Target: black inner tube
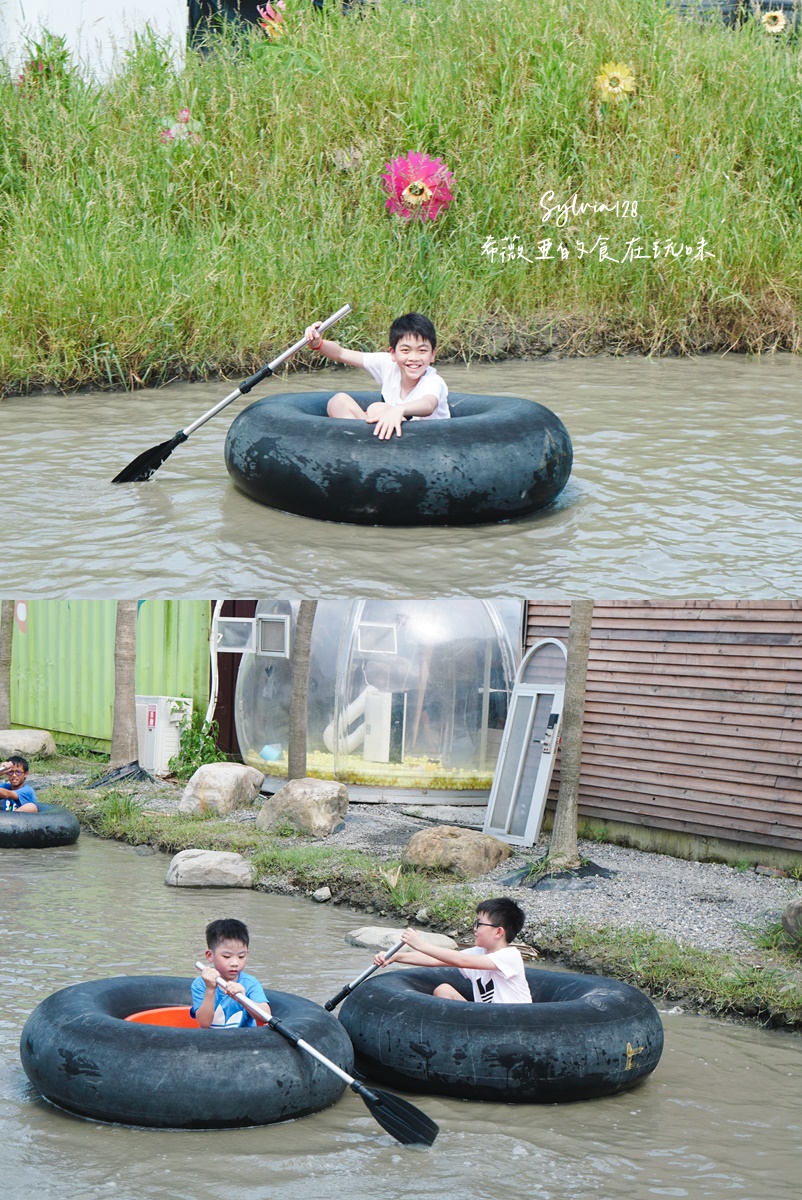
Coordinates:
[582,1036]
[78,1050]
[498,458]
[50,826]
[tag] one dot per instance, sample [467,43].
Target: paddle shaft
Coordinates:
[263,373]
[406,1123]
[349,987]
[256,1010]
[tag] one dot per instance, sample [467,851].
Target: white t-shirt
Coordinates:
[388,375]
[507,985]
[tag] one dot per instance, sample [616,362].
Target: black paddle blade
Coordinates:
[406,1123]
[146,464]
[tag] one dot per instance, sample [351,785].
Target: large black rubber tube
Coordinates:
[50,826]
[80,1053]
[497,459]
[583,1036]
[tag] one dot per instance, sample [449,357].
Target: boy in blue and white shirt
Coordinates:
[16,795]
[213,1005]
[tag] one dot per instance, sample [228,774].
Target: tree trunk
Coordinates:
[6,642]
[563,848]
[296,755]
[124,746]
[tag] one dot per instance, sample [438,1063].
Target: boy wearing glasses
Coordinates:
[500,979]
[16,795]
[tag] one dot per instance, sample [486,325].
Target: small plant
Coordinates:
[197,746]
[743,865]
[49,63]
[183,129]
[391,876]
[82,752]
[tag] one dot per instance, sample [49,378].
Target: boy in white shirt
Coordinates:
[501,979]
[410,386]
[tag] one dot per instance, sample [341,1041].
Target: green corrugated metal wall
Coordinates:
[62,674]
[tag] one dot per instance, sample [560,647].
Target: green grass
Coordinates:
[663,967]
[128,261]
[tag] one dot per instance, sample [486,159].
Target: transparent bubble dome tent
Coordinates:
[403,694]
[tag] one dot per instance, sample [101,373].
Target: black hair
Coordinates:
[17,758]
[412,323]
[226,929]
[504,912]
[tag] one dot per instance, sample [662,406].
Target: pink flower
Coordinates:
[183,116]
[166,135]
[417,186]
[271,21]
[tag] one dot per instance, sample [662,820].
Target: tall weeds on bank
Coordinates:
[128,258]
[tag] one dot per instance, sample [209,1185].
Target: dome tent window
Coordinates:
[402,694]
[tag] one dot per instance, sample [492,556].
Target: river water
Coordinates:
[720,1117]
[687,481]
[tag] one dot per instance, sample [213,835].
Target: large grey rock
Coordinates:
[27,742]
[378,937]
[209,868]
[792,918]
[312,806]
[220,788]
[463,851]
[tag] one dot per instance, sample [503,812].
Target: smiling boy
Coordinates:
[213,1003]
[18,796]
[410,386]
[500,979]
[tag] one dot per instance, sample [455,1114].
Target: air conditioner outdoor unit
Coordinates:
[158,720]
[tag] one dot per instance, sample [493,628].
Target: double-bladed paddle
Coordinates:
[349,987]
[147,463]
[406,1123]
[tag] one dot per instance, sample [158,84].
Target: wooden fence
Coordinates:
[693,716]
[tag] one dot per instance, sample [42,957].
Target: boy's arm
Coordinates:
[10,794]
[446,956]
[412,959]
[205,1010]
[332,350]
[388,418]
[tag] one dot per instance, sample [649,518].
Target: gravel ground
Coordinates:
[701,904]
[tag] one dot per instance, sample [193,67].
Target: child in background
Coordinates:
[17,796]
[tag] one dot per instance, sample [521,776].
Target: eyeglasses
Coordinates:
[476,924]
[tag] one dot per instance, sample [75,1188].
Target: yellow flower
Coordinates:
[614,81]
[774,21]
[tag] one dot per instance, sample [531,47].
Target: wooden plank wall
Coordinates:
[693,717]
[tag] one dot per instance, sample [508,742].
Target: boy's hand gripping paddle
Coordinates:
[349,987]
[145,464]
[406,1123]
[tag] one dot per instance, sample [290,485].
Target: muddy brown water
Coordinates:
[720,1117]
[687,481]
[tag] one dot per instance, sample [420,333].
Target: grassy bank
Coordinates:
[127,259]
[768,987]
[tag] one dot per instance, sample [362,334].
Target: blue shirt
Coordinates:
[227,1013]
[25,795]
